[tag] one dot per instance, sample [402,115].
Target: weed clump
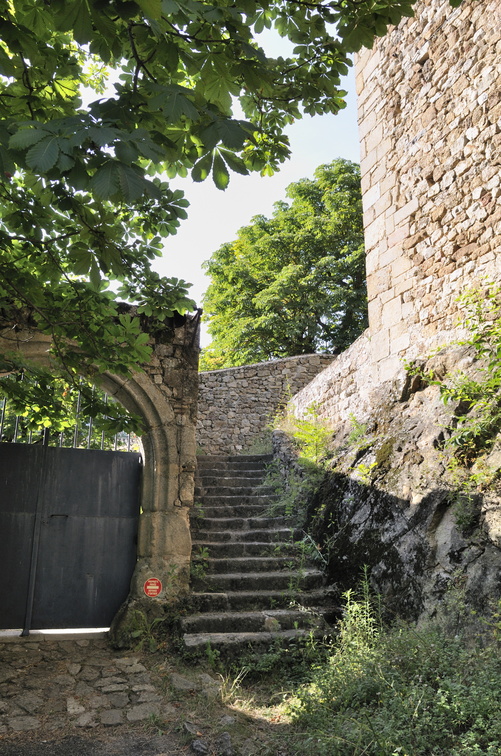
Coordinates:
[476,398]
[407,691]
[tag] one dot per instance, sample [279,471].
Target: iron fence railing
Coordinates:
[82,434]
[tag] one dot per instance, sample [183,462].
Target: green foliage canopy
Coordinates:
[84,198]
[295,283]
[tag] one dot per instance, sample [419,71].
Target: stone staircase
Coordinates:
[250,584]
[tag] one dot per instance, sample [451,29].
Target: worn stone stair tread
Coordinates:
[265,594]
[251,621]
[252,477]
[221,468]
[218,490]
[233,523]
[232,458]
[262,599]
[224,485]
[241,536]
[248,498]
[223,549]
[264,544]
[246,563]
[271,574]
[282,580]
[197,640]
[228,510]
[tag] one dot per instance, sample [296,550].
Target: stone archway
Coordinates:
[164,395]
[164,541]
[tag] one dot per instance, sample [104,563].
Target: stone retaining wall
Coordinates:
[346,387]
[429,99]
[235,405]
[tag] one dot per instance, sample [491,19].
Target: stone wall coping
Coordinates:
[278,361]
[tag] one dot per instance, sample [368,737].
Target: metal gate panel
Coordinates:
[20,468]
[74,520]
[85,571]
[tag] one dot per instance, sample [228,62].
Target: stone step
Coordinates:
[230,490]
[243,462]
[234,643]
[264,599]
[242,524]
[240,564]
[211,500]
[266,620]
[250,470]
[243,548]
[247,581]
[237,458]
[248,476]
[223,536]
[235,510]
[233,481]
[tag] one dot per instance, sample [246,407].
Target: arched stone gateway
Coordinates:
[164,395]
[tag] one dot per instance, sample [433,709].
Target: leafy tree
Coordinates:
[84,199]
[295,283]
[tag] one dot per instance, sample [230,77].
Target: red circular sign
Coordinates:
[152,587]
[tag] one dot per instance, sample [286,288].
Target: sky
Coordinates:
[214,216]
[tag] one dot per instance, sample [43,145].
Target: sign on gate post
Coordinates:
[153,587]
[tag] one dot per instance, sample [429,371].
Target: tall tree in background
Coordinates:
[295,283]
[84,199]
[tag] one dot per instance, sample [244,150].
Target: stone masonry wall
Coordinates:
[429,98]
[345,387]
[236,404]
[430,128]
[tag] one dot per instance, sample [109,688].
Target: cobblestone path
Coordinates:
[70,689]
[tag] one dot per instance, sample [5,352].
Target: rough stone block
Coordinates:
[380,345]
[392,312]
[375,232]
[408,209]
[401,265]
[387,368]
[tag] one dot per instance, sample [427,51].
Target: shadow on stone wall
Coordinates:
[416,555]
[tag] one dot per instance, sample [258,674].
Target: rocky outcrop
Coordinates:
[394,500]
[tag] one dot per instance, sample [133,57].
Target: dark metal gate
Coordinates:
[68,529]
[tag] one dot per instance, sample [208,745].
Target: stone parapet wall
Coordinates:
[429,97]
[235,405]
